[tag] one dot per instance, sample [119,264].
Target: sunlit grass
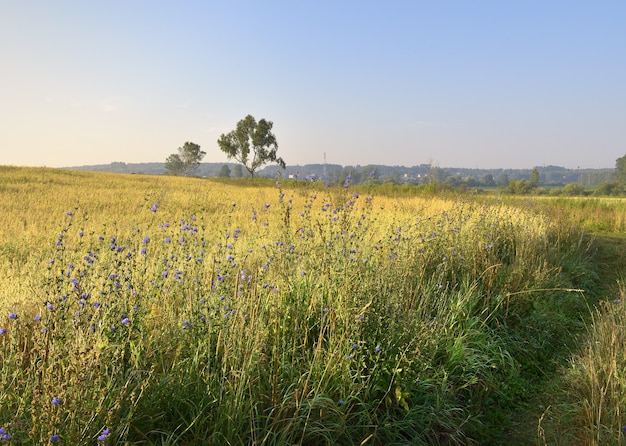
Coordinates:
[156,310]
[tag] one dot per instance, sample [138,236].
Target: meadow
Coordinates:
[149,310]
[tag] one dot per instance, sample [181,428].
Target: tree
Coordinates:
[620,170]
[186,160]
[534,177]
[488,180]
[224,171]
[237,171]
[251,136]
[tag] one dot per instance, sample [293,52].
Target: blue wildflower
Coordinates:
[103,436]
[5,435]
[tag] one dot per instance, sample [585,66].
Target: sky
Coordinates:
[475,84]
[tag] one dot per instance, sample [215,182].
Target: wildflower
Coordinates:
[5,435]
[12,316]
[37,318]
[2,331]
[146,240]
[54,438]
[154,207]
[125,321]
[103,436]
[377,349]
[69,213]
[56,401]
[50,307]
[341,402]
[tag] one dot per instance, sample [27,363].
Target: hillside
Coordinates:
[549,175]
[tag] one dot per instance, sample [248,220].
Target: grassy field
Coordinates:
[158,310]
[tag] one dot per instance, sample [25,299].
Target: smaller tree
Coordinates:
[186,161]
[252,143]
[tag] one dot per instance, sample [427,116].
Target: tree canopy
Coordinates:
[252,143]
[186,160]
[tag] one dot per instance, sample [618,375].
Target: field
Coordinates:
[148,310]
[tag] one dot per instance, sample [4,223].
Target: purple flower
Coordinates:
[125,321]
[37,317]
[377,349]
[12,316]
[56,401]
[103,436]
[154,207]
[50,307]
[2,331]
[54,438]
[69,213]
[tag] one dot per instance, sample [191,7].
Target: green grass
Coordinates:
[277,314]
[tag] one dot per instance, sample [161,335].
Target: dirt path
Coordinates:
[538,421]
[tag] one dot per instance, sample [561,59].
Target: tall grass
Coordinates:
[146,310]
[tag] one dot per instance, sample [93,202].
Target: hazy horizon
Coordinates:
[484,85]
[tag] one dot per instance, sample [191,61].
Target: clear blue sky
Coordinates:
[488,84]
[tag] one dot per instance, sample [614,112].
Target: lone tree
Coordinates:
[251,136]
[186,161]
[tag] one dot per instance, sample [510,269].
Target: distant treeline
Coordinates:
[422,174]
